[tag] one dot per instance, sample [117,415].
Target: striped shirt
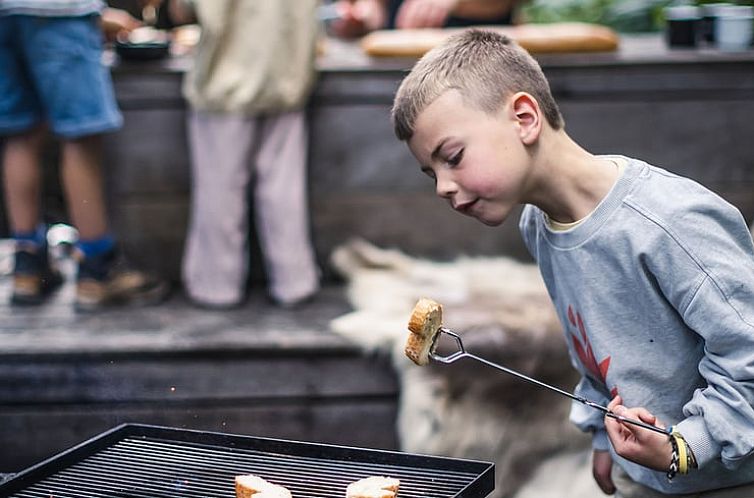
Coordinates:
[51,8]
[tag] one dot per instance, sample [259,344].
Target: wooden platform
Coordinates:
[257,370]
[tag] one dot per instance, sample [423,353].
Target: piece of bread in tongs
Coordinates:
[424,325]
[251,486]
[373,487]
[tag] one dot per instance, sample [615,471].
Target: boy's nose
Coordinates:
[445,188]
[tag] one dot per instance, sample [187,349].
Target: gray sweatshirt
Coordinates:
[655,291]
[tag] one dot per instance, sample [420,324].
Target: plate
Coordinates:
[142,51]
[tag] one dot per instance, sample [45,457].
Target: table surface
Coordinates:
[340,55]
[632,49]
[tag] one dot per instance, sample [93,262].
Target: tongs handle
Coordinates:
[462,353]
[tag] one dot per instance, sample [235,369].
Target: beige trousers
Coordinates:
[628,488]
[228,152]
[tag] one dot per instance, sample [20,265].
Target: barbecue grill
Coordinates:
[134,460]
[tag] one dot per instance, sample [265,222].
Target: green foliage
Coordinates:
[626,16]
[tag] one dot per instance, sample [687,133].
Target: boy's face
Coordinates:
[477,160]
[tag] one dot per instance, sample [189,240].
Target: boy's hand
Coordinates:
[602,465]
[641,446]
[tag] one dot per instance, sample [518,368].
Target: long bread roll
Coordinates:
[536,38]
[424,324]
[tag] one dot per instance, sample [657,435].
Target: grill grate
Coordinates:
[145,461]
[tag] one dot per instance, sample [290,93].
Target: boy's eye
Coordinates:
[455,159]
[430,174]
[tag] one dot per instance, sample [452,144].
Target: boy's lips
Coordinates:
[463,207]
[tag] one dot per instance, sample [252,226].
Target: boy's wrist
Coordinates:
[682,459]
[703,447]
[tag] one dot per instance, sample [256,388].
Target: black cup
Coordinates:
[683,25]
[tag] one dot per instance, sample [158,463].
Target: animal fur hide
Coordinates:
[468,410]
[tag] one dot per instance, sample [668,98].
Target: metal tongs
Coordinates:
[462,353]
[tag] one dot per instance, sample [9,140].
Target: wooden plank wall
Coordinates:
[52,402]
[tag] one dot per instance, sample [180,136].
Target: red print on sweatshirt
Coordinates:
[584,351]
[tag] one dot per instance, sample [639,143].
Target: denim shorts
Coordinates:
[51,72]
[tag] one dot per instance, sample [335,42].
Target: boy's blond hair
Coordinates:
[484,66]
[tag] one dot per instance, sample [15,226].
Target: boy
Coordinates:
[651,274]
[52,77]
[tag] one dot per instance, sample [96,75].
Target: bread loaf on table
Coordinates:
[536,38]
[373,487]
[251,486]
[424,324]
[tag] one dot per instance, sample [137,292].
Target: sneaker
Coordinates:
[34,278]
[213,306]
[108,279]
[294,304]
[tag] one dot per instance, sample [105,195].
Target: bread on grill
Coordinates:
[373,487]
[251,486]
[424,324]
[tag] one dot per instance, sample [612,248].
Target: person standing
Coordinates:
[252,76]
[52,79]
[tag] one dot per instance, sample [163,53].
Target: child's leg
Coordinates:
[22,179]
[215,262]
[281,207]
[82,182]
[33,276]
[104,275]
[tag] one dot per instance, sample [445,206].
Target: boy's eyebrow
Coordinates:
[436,152]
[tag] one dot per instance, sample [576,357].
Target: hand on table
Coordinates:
[424,13]
[358,17]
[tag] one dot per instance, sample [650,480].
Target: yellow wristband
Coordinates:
[683,461]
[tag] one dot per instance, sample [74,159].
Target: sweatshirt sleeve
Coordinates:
[719,307]
[588,419]
[720,417]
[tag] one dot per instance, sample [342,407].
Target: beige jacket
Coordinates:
[254,56]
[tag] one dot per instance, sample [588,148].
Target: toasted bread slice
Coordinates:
[251,486]
[373,487]
[424,324]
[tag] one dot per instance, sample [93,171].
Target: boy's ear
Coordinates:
[528,116]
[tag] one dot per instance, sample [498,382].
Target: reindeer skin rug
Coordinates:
[467,410]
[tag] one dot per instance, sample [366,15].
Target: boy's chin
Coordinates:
[490,221]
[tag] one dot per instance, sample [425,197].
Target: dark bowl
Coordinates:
[142,51]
